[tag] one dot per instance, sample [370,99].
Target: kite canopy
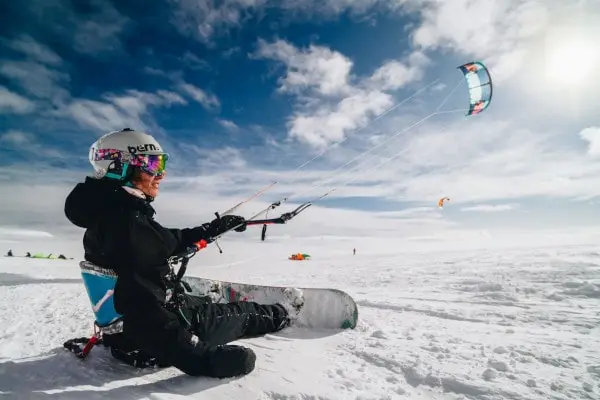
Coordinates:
[442,200]
[480,86]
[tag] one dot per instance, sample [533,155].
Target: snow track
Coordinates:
[474,325]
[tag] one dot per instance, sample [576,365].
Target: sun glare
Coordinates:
[571,60]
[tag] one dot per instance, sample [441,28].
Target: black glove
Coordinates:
[223,224]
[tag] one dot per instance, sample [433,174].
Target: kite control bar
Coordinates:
[191,251]
[282,219]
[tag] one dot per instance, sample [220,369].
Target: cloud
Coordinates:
[316,68]
[508,162]
[33,205]
[25,44]
[93,30]
[490,207]
[36,79]
[207,100]
[194,62]
[231,51]
[98,35]
[17,138]
[205,19]
[328,123]
[330,101]
[169,98]
[154,71]
[321,71]
[496,32]
[229,125]
[592,136]
[332,8]
[42,75]
[119,111]
[14,103]
[217,159]
[39,74]
[412,212]
[27,144]
[394,74]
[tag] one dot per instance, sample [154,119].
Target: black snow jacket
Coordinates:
[122,235]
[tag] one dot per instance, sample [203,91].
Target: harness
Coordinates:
[108,324]
[176,299]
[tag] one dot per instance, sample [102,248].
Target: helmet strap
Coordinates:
[120,171]
[127,175]
[123,172]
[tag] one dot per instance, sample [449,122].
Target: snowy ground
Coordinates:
[519,324]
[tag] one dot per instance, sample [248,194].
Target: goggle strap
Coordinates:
[142,161]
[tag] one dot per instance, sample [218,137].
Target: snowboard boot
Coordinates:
[229,361]
[293,301]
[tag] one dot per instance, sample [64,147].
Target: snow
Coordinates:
[521,323]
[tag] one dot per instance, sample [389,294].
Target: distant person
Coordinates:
[9,254]
[28,254]
[354,251]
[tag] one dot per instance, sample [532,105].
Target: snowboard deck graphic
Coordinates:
[323,308]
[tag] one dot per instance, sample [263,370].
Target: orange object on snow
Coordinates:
[299,257]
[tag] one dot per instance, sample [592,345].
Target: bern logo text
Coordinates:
[143,147]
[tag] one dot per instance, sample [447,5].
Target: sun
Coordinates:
[571,59]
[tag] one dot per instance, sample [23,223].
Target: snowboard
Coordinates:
[323,308]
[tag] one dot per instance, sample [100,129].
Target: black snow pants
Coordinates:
[194,338]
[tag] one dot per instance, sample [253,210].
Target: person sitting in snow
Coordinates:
[121,234]
[10,253]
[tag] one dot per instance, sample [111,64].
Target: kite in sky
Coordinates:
[480,86]
[442,200]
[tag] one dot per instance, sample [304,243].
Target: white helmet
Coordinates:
[113,155]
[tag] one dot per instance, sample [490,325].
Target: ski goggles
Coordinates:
[152,164]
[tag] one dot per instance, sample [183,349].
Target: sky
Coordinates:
[242,93]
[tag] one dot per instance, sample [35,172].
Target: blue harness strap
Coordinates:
[100,285]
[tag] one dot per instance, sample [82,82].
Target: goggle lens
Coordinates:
[153,164]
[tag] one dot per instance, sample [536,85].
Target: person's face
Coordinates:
[148,184]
